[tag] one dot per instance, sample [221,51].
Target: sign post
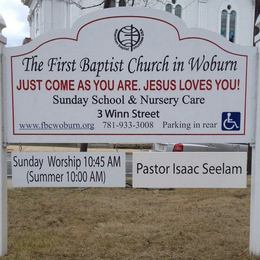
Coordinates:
[3,175]
[254,247]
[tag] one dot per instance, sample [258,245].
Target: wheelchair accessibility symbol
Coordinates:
[231,121]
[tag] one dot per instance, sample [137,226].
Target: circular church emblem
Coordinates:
[129,37]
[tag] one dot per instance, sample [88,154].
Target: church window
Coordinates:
[122,3]
[232,26]
[168,8]
[228,23]
[178,10]
[223,29]
[114,3]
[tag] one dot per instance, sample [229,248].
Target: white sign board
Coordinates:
[190,170]
[68,169]
[130,75]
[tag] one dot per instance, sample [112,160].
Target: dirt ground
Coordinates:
[179,224]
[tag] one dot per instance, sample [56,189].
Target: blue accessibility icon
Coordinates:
[231,121]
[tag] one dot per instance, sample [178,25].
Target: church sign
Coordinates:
[150,80]
[127,75]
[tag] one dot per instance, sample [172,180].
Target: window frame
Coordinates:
[230,24]
[177,8]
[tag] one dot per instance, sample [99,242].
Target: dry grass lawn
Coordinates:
[180,224]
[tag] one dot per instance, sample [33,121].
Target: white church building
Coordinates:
[233,19]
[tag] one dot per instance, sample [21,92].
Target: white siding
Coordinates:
[57,14]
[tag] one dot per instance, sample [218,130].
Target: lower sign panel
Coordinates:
[68,169]
[190,170]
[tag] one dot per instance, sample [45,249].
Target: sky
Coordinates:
[15,15]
